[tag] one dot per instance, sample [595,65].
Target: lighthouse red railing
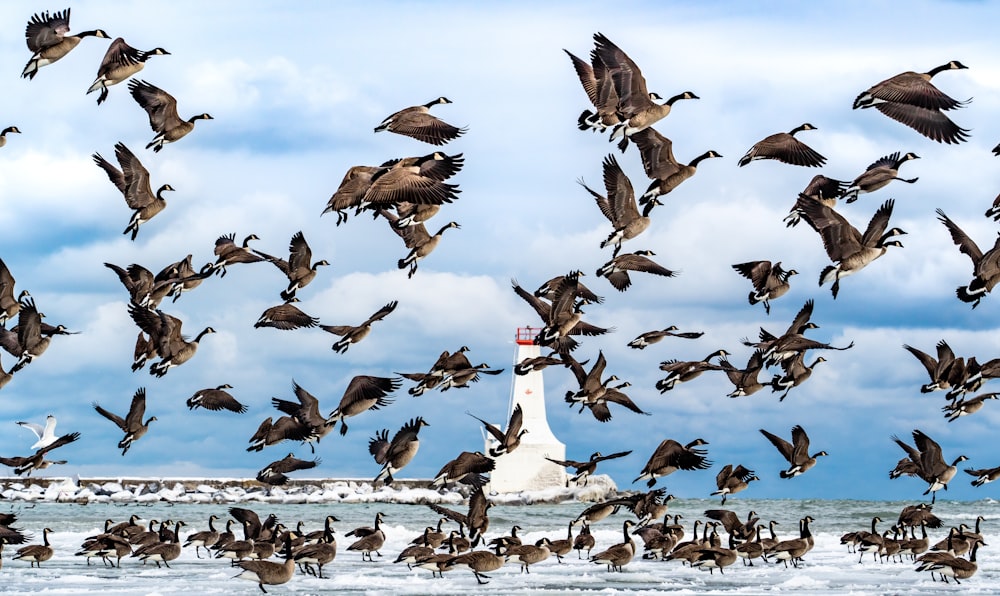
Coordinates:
[526,335]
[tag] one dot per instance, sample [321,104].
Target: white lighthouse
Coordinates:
[526,467]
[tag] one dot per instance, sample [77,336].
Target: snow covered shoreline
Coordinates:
[240,490]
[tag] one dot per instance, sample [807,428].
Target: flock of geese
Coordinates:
[407,192]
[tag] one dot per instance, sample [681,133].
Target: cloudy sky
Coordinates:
[295,96]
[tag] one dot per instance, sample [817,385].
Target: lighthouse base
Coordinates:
[526,469]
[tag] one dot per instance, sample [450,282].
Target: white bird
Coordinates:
[46,435]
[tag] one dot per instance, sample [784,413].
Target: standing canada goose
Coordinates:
[286,316]
[938,369]
[715,556]
[479,562]
[119,63]
[363,393]
[795,373]
[616,270]
[165,551]
[618,555]
[984,475]
[652,337]
[132,425]
[796,452]
[228,252]
[784,147]
[619,205]
[477,520]
[299,268]
[770,281]
[318,553]
[793,550]
[46,434]
[820,188]
[506,440]
[369,542]
[679,371]
[352,334]
[583,469]
[985,265]
[35,554]
[420,243]
[468,468]
[3,134]
[37,461]
[269,572]
[162,110]
[671,456]
[48,40]
[216,399]
[133,182]
[661,166]
[394,455]
[584,541]
[636,108]
[963,407]
[732,480]
[275,472]
[880,173]
[417,122]
[953,566]
[528,554]
[9,305]
[911,99]
[164,330]
[844,244]
[205,539]
[926,462]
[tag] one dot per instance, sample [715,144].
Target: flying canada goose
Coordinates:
[844,244]
[35,554]
[132,425]
[351,191]
[994,210]
[302,423]
[394,455]
[37,461]
[5,377]
[163,552]
[506,440]
[216,399]
[652,337]
[275,472]
[162,110]
[419,180]
[661,166]
[620,554]
[583,469]
[445,364]
[46,435]
[119,63]
[9,535]
[796,452]
[186,278]
[745,379]
[477,520]
[562,344]
[48,40]
[286,316]
[31,342]
[940,369]
[926,462]
[363,393]
[352,334]
[964,407]
[670,456]
[369,542]
[204,539]
[417,122]
[619,205]
[820,188]
[146,289]
[636,108]
[228,252]
[984,475]
[682,371]
[911,99]
[770,281]
[880,173]
[784,147]
[592,385]
[269,572]
[600,89]
[914,515]
[461,377]
[133,182]
[985,265]
[9,305]
[548,291]
[3,134]
[468,468]
[164,330]
[616,270]
[299,268]
[795,373]
[732,480]
[420,243]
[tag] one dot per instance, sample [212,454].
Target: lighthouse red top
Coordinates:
[526,335]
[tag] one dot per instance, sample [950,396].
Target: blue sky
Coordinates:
[295,96]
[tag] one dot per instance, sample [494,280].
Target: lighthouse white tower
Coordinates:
[526,467]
